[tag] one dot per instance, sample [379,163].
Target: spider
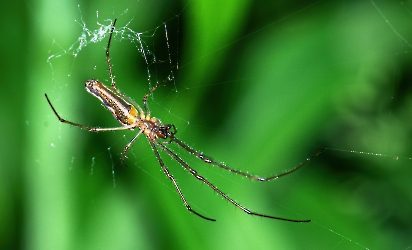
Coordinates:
[131,116]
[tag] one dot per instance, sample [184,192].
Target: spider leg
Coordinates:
[204,180]
[209,160]
[109,65]
[128,146]
[91,129]
[108,59]
[170,176]
[150,92]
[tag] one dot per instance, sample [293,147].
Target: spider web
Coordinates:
[225,98]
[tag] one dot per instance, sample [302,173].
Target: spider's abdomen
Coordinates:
[123,112]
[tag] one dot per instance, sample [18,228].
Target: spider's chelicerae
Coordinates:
[159,135]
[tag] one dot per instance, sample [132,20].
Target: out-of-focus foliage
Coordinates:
[261,86]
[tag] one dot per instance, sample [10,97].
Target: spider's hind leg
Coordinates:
[126,148]
[109,64]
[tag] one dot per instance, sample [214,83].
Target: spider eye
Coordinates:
[170,130]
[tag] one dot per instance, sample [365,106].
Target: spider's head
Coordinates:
[166,131]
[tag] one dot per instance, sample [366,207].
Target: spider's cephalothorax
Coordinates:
[165,131]
[132,116]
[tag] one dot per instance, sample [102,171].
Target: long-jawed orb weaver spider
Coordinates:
[158,135]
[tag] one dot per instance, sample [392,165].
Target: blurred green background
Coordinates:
[260,86]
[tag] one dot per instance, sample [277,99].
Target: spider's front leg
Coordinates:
[209,160]
[172,179]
